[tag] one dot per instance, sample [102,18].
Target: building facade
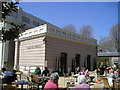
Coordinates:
[20,17]
[59,50]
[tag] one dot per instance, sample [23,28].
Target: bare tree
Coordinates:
[115,36]
[106,45]
[70,28]
[86,31]
[112,42]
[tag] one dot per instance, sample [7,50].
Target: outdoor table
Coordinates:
[91,78]
[99,86]
[22,83]
[43,77]
[19,74]
[76,76]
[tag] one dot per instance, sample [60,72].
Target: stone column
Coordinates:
[16,60]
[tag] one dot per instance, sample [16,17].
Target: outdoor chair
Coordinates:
[9,87]
[49,74]
[105,81]
[100,77]
[72,77]
[115,84]
[68,80]
[36,81]
[30,84]
[25,74]
[72,73]
[19,74]
[70,84]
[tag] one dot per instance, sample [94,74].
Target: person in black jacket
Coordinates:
[14,76]
[46,71]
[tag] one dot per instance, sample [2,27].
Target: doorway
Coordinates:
[88,61]
[77,60]
[63,63]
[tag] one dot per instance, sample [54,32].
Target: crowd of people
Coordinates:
[38,71]
[8,76]
[11,76]
[52,84]
[109,71]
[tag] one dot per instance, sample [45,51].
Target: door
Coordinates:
[88,62]
[63,63]
[77,60]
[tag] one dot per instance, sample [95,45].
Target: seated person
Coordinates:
[7,76]
[46,71]
[85,72]
[111,76]
[77,70]
[37,70]
[82,83]
[53,83]
[118,72]
[14,75]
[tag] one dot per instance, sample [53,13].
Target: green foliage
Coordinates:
[102,59]
[15,30]
[12,33]
[8,8]
[8,65]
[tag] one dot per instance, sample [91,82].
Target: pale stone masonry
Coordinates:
[48,45]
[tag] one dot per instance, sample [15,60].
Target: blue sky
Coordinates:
[101,16]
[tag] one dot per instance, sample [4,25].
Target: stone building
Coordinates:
[21,17]
[59,50]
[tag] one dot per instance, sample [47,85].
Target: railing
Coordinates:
[29,68]
[112,54]
[67,34]
[47,28]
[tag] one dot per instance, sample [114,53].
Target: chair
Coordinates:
[115,84]
[68,80]
[71,84]
[36,81]
[100,77]
[72,73]
[30,84]
[105,81]
[49,74]
[25,74]
[9,87]
[19,75]
[72,77]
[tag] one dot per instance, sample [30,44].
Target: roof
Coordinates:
[109,54]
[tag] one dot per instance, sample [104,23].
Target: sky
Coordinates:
[101,16]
